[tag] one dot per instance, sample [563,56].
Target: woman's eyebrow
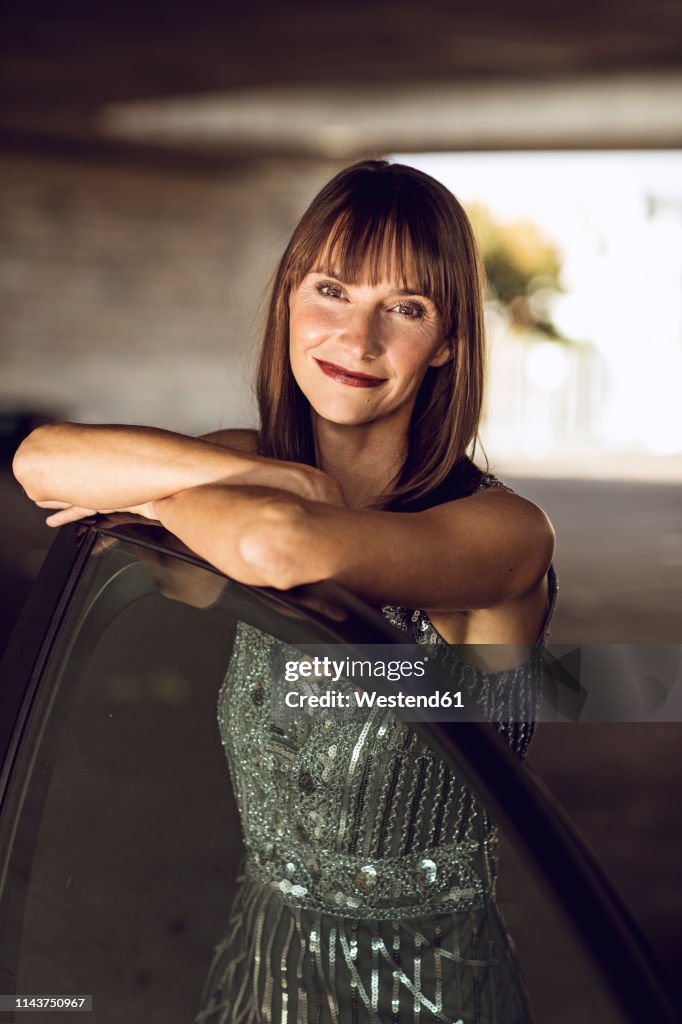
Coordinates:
[399,291]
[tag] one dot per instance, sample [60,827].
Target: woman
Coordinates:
[368,892]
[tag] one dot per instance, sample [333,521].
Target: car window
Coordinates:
[121,840]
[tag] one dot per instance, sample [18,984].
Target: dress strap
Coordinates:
[490,480]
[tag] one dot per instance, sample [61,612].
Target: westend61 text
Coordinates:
[365,699]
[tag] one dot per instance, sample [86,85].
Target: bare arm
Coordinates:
[117,467]
[476,552]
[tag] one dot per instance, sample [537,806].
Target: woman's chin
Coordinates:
[344,414]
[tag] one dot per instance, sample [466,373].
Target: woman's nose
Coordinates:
[362,333]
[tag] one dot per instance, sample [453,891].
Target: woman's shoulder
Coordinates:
[491,482]
[241,439]
[524,513]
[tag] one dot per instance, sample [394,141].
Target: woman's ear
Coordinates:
[444,353]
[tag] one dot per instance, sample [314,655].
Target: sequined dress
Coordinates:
[367,892]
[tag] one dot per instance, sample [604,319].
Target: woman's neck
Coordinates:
[363,458]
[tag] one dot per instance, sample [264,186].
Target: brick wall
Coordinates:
[136,294]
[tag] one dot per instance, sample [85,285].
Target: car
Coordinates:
[119,834]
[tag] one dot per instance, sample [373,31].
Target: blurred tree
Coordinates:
[523,268]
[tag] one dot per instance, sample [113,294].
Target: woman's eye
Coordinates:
[327,288]
[412,310]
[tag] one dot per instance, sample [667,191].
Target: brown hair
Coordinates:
[369,214]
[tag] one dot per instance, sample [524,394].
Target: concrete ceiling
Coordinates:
[66,67]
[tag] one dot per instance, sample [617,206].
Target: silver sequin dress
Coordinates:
[367,892]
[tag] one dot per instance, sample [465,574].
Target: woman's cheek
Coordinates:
[407,355]
[312,326]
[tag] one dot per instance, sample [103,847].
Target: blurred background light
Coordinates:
[603,233]
[547,367]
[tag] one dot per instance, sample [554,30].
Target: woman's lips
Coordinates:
[349,377]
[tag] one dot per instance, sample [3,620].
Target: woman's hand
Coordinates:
[66,513]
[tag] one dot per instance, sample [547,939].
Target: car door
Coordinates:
[119,834]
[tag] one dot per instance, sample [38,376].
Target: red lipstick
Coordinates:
[351,378]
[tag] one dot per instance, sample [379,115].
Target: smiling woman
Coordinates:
[370,389]
[368,339]
[376,235]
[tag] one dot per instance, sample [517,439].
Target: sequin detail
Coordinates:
[368,884]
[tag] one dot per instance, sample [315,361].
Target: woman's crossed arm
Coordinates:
[281,524]
[105,468]
[472,553]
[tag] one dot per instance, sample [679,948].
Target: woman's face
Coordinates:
[360,352]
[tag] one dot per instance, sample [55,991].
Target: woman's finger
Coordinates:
[52,504]
[70,514]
